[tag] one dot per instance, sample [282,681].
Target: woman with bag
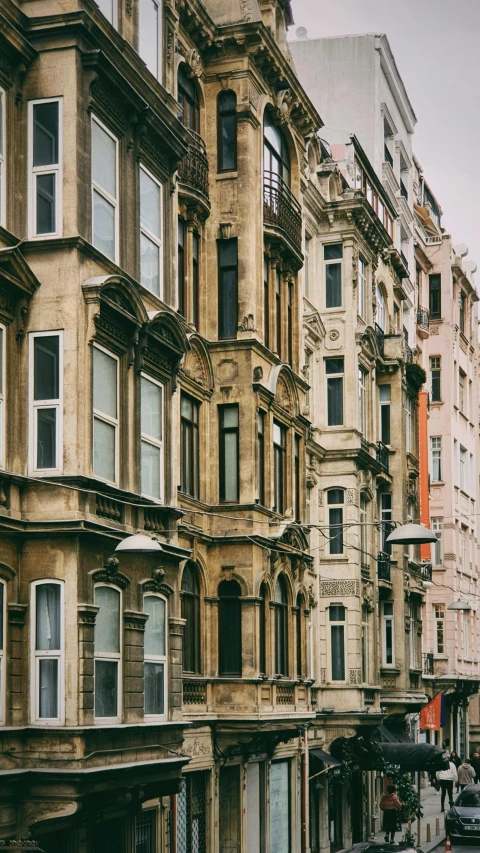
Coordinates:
[390,805]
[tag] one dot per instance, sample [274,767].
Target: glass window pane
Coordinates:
[335,401]
[106,688]
[333,252]
[150,265]
[338,652]
[230,416]
[46,438]
[230,467]
[227,127]
[333,365]
[47,617]
[46,367]
[104,450]
[148,34]
[104,383]
[228,318]
[337,613]
[155,626]
[150,465]
[186,406]
[107,623]
[48,689]
[45,134]
[104,159]
[227,253]
[103,225]
[333,281]
[151,402]
[150,215]
[154,688]
[45,223]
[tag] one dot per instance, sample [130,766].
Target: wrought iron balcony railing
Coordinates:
[193,170]
[404,259]
[382,455]
[423,318]
[427,663]
[426,572]
[280,207]
[383,567]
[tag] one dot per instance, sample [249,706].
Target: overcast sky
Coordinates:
[436,44]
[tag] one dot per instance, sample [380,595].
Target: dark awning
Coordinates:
[320,760]
[414,756]
[393,735]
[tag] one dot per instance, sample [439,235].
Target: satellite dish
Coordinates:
[301,33]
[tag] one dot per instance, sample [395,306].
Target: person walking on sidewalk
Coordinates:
[446,779]
[390,805]
[455,758]
[466,774]
[476,765]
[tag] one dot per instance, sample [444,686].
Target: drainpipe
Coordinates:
[304,839]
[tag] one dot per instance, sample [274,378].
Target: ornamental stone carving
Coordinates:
[338,589]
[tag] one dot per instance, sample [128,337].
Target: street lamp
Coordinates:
[138,543]
[459,605]
[411,534]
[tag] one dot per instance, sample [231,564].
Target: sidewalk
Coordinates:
[431,810]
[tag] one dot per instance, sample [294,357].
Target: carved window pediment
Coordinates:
[17,285]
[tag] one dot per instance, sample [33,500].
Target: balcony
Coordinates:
[281,210]
[423,321]
[427,663]
[193,171]
[382,455]
[403,190]
[388,156]
[426,572]
[383,568]
[404,259]
[380,336]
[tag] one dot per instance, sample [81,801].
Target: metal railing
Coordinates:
[369,697]
[423,318]
[433,241]
[364,445]
[380,336]
[194,692]
[285,694]
[426,572]
[383,567]
[388,156]
[403,190]
[382,455]
[427,663]
[193,169]
[404,259]
[281,208]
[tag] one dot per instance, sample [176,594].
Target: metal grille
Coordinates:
[191,814]
[145,832]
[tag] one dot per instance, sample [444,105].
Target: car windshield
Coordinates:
[468,799]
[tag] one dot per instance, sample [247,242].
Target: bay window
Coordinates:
[335,502]
[151,442]
[104,190]
[279,467]
[227,131]
[189,447]
[227,288]
[333,254]
[47,633]
[105,415]
[151,233]
[388,647]
[337,619]
[46,401]
[150,35]
[107,653]
[334,369]
[229,462]
[155,665]
[45,159]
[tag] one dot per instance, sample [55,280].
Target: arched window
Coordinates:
[276,160]
[191,613]
[263,628]
[230,628]
[189,113]
[155,666]
[281,627]
[227,131]
[335,501]
[300,636]
[381,309]
[107,652]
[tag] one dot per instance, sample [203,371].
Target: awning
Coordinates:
[396,735]
[320,760]
[414,756]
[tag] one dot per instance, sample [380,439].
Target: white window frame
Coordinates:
[159,73]
[159,659]
[463,547]
[111,657]
[381,312]
[462,391]
[114,202]
[382,404]
[338,624]
[327,263]
[436,526]
[439,618]
[3,176]
[36,405]
[52,169]
[148,439]
[463,468]
[388,619]
[436,453]
[465,626]
[115,422]
[362,288]
[157,240]
[3,377]
[3,654]
[55,654]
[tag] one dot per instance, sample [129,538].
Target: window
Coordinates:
[388,648]
[437,547]
[307,376]
[189,113]
[465,633]
[230,628]
[462,403]
[337,618]
[150,35]
[362,400]
[436,458]
[335,502]
[146,831]
[299,632]
[104,190]
[263,628]
[435,378]
[155,666]
[384,394]
[266,302]
[296,479]
[227,288]
[229,453]
[333,255]
[408,424]
[412,639]
[365,646]
[279,467]
[463,548]
[2,158]
[109,9]
[290,323]
[191,826]
[276,163]
[105,415]
[278,313]
[45,156]
[439,628]
[227,131]
[334,371]
[386,520]
[362,289]
[3,607]
[151,442]
[46,400]
[463,468]
[281,627]
[151,232]
[381,316]
[435,296]
[196,279]
[191,614]
[462,312]
[261,457]
[189,447]
[107,647]
[306,267]
[181,267]
[363,530]
[48,650]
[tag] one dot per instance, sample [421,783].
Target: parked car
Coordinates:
[463,819]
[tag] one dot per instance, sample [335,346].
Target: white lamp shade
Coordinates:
[459,605]
[139,544]
[411,534]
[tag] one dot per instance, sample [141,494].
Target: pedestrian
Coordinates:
[466,774]
[446,779]
[454,756]
[476,765]
[390,805]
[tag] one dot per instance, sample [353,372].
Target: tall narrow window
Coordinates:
[109,9]
[435,378]
[335,502]
[230,628]
[386,521]
[337,618]
[48,650]
[151,442]
[107,648]
[189,447]
[266,302]
[263,628]
[189,112]
[290,323]
[227,131]
[181,267]
[436,526]
[334,368]
[155,666]
[191,614]
[281,627]
[465,634]
[463,548]
[462,315]
[227,288]
[436,458]
[299,632]
[463,468]
[462,381]
[146,831]
[439,620]
[384,394]
[196,279]
[333,255]
[296,478]
[362,400]
[306,267]
[261,457]
[229,453]
[381,315]
[362,289]
[363,531]
[46,396]
[365,647]
[151,227]
[408,424]
[2,158]
[435,296]
[191,829]
[276,165]
[388,647]
[278,313]
[150,35]
[412,638]
[279,467]
[45,138]
[104,190]
[105,415]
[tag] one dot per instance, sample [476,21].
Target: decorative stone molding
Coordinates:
[339,588]
[87,613]
[110,574]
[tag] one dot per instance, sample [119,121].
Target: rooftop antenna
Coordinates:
[301,33]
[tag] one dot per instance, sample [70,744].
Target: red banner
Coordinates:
[432,715]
